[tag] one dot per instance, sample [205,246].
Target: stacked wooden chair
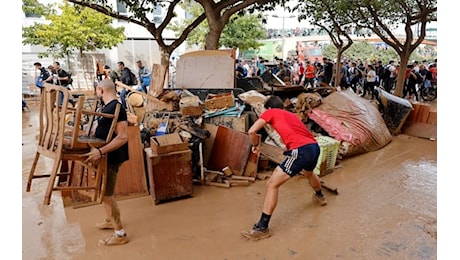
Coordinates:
[63,143]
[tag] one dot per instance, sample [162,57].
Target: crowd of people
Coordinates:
[361,77]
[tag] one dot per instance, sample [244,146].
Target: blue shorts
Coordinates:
[304,157]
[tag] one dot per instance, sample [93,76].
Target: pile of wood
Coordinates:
[226,178]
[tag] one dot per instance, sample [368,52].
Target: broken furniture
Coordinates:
[230,148]
[422,122]
[395,110]
[169,174]
[55,110]
[131,177]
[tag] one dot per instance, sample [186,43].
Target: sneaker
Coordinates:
[256,233]
[320,200]
[105,224]
[113,240]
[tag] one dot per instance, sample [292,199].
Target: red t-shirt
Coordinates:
[310,71]
[289,126]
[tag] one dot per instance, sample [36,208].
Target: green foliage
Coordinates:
[363,51]
[241,31]
[368,52]
[76,28]
[199,33]
[35,9]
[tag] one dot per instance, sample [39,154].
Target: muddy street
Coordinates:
[386,209]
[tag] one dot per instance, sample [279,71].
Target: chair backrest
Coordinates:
[52,119]
[76,141]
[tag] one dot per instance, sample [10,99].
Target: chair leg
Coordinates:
[32,171]
[51,181]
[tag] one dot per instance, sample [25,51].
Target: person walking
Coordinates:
[411,82]
[111,74]
[126,79]
[310,74]
[390,78]
[328,72]
[369,84]
[42,77]
[51,72]
[61,77]
[301,158]
[117,152]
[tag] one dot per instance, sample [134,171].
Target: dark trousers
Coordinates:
[369,86]
[388,84]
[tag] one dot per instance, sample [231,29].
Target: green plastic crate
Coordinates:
[329,148]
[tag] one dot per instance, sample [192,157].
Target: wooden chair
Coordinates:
[54,117]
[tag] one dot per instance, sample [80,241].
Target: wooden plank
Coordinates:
[433,118]
[423,130]
[237,182]
[424,113]
[208,143]
[251,179]
[420,113]
[271,152]
[234,122]
[252,164]
[131,175]
[231,148]
[218,184]
[160,80]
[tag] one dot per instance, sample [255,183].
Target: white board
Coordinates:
[205,69]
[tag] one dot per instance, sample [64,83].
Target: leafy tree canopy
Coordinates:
[76,28]
[34,8]
[242,31]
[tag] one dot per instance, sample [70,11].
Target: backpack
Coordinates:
[245,72]
[419,77]
[132,79]
[70,81]
[386,72]
[360,73]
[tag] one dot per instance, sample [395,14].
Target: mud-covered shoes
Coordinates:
[256,233]
[105,224]
[321,200]
[113,240]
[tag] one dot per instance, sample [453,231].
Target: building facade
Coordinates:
[139,45]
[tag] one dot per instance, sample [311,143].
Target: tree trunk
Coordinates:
[212,39]
[399,87]
[338,66]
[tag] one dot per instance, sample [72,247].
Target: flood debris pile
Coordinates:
[355,122]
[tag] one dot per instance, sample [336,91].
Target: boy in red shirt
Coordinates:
[310,73]
[302,152]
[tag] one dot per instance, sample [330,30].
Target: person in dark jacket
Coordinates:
[125,78]
[42,77]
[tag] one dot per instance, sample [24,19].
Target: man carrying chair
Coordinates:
[117,152]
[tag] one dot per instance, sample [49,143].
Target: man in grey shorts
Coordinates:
[301,158]
[117,152]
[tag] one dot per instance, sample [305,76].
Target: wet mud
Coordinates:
[386,209]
